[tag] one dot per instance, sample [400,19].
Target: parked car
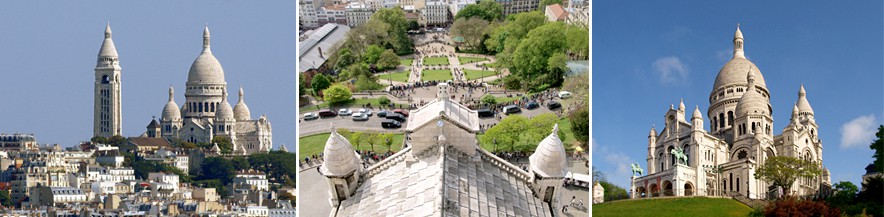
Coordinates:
[310,116]
[511,109]
[383,113]
[360,117]
[390,124]
[564,94]
[532,105]
[365,111]
[553,105]
[402,112]
[345,112]
[395,116]
[327,113]
[485,113]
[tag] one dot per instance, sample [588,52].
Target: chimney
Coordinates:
[320,52]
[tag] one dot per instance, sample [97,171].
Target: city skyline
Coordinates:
[155,51]
[650,64]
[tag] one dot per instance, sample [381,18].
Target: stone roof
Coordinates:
[241,111]
[549,159]
[447,184]
[458,114]
[339,157]
[107,47]
[803,104]
[206,68]
[225,112]
[171,111]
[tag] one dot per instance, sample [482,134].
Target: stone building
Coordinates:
[108,118]
[723,160]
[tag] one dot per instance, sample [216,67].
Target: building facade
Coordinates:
[685,159]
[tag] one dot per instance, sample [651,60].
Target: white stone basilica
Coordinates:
[206,112]
[723,161]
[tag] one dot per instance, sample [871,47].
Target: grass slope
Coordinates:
[692,206]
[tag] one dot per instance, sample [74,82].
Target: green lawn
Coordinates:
[406,61]
[315,144]
[396,76]
[465,60]
[476,74]
[355,102]
[564,126]
[433,61]
[490,65]
[436,75]
[692,206]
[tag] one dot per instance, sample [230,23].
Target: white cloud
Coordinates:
[858,132]
[616,168]
[671,70]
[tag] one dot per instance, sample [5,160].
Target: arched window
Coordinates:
[714,122]
[672,158]
[105,79]
[720,120]
[730,118]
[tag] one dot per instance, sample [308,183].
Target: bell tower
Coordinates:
[108,118]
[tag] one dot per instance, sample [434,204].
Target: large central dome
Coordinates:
[206,69]
[734,72]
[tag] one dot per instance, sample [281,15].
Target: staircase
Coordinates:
[754,203]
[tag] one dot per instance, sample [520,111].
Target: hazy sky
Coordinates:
[48,51]
[649,55]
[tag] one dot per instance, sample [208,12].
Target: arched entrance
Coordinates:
[641,192]
[655,190]
[688,189]
[667,189]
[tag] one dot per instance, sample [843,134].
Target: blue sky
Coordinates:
[649,55]
[48,51]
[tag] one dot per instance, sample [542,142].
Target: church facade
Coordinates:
[684,159]
[206,113]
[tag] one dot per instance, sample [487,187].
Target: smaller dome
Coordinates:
[653,132]
[752,102]
[681,106]
[225,112]
[339,157]
[283,149]
[738,33]
[697,114]
[241,111]
[171,112]
[548,159]
[803,104]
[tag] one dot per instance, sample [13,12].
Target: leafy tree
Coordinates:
[531,58]
[372,138]
[5,200]
[320,82]
[413,25]
[845,195]
[871,197]
[372,54]
[99,140]
[217,168]
[372,32]
[356,71]
[387,140]
[598,175]
[544,3]
[344,58]
[383,100]
[301,89]
[488,99]
[613,192]
[512,82]
[187,145]
[116,140]
[337,94]
[578,41]
[471,29]
[580,125]
[356,138]
[388,60]
[557,67]
[507,132]
[506,38]
[878,147]
[487,10]
[224,143]
[539,127]
[398,37]
[782,171]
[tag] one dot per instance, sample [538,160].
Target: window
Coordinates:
[721,120]
[730,118]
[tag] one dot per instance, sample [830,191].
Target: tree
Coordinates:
[301,89]
[116,140]
[355,71]
[507,132]
[782,171]
[539,127]
[217,168]
[383,100]
[99,139]
[578,41]
[531,58]
[320,82]
[544,3]
[506,38]
[845,195]
[487,10]
[613,192]
[387,139]
[878,147]
[471,29]
[372,138]
[580,125]
[388,60]
[871,196]
[398,38]
[356,138]
[224,143]
[337,94]
[488,99]
[372,54]
[344,58]
[557,67]
[5,200]
[598,175]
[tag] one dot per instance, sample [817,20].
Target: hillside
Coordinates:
[691,206]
